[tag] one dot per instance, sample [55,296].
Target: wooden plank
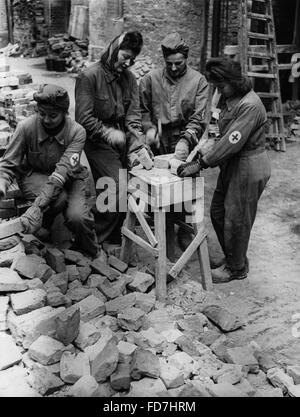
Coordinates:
[126,242]
[259,16]
[184,258]
[285,67]
[262,36]
[288,49]
[138,240]
[145,226]
[268,95]
[161,264]
[10,228]
[261,75]
[170,239]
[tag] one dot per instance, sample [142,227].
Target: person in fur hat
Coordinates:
[107,106]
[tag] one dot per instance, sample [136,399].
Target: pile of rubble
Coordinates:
[291,111]
[16,101]
[70,326]
[73,51]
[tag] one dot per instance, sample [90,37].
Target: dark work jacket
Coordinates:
[102,99]
[31,149]
[242,129]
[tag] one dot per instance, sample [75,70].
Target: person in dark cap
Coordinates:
[175,96]
[244,165]
[107,106]
[44,157]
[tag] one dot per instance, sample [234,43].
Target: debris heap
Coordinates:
[70,326]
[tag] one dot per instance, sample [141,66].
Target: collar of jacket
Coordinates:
[42,135]
[109,76]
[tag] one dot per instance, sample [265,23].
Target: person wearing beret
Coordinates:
[107,106]
[174,95]
[44,157]
[244,165]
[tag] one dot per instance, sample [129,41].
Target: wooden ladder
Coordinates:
[258,56]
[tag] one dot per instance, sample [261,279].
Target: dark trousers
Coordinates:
[72,202]
[234,204]
[108,163]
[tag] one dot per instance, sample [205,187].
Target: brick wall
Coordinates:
[156,18]
[3,24]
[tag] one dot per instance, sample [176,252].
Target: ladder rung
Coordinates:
[259,16]
[268,95]
[275,135]
[285,66]
[260,75]
[274,115]
[256,35]
[258,68]
[260,55]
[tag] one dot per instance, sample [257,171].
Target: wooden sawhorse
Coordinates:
[159,189]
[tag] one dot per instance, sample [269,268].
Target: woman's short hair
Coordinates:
[132,41]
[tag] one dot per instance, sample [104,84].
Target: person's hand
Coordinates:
[32,219]
[189,169]
[115,137]
[132,160]
[152,138]
[182,150]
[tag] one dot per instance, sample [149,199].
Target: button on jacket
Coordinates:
[31,149]
[178,103]
[103,98]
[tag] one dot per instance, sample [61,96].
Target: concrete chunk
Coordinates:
[27,301]
[224,390]
[44,381]
[55,259]
[119,304]
[120,379]
[55,297]
[103,269]
[147,387]
[103,356]
[84,272]
[117,263]
[59,280]
[90,308]
[67,325]
[10,281]
[131,319]
[86,386]
[29,266]
[73,367]
[144,301]
[141,282]
[78,294]
[9,353]
[13,383]
[242,356]
[172,377]
[87,336]
[73,273]
[46,350]
[125,350]
[232,374]
[183,362]
[222,318]
[294,372]
[144,364]
[113,289]
[280,379]
[95,280]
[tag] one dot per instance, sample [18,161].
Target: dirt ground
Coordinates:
[269,299]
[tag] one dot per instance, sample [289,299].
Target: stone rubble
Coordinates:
[73,327]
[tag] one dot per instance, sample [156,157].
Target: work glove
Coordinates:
[182,149]
[115,138]
[49,192]
[32,219]
[3,188]
[191,169]
[133,159]
[152,137]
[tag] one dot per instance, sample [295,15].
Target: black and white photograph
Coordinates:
[149,202]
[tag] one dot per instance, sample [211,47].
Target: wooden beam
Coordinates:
[10,228]
[145,226]
[175,270]
[139,241]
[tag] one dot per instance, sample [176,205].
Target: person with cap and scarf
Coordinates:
[107,106]
[244,165]
[174,96]
[44,157]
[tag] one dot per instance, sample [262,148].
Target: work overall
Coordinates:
[244,172]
